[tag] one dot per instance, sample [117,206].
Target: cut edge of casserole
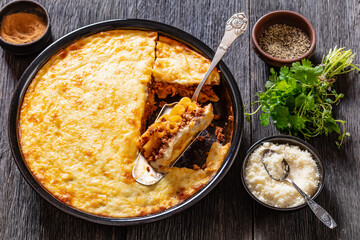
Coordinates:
[179,70]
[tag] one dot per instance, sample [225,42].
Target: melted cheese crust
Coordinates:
[176,63]
[81,118]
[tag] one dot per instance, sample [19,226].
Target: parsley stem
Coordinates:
[250,114]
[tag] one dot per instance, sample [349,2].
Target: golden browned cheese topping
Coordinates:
[176,63]
[80,120]
[179,69]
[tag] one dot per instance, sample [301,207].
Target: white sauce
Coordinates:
[169,150]
[203,123]
[303,171]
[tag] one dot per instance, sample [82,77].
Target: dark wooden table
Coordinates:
[227,212]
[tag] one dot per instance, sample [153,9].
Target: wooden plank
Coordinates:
[24,214]
[225,212]
[13,188]
[336,23]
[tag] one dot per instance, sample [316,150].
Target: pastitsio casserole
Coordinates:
[81,118]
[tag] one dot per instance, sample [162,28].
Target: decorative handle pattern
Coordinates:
[323,215]
[320,213]
[238,22]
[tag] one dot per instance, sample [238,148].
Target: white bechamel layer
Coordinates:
[182,139]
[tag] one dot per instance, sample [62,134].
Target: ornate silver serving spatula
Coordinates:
[142,172]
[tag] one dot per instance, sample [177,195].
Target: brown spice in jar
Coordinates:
[20,28]
[284,42]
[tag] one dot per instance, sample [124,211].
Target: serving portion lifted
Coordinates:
[168,137]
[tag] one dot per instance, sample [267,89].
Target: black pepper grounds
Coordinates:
[284,42]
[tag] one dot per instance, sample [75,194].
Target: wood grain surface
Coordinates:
[227,212]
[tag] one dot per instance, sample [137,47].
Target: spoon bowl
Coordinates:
[267,152]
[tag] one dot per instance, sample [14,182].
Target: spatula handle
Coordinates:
[235,26]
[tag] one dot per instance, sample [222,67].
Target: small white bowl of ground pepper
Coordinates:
[283,37]
[24,27]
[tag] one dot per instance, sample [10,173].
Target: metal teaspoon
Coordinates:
[320,213]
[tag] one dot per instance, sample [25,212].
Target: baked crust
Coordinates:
[177,64]
[79,122]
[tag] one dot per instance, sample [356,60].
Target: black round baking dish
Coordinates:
[231,95]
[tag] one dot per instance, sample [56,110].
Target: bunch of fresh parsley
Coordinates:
[300,100]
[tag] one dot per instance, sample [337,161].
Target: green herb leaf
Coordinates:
[331,125]
[309,102]
[297,122]
[299,100]
[269,84]
[265,119]
[280,116]
[305,73]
